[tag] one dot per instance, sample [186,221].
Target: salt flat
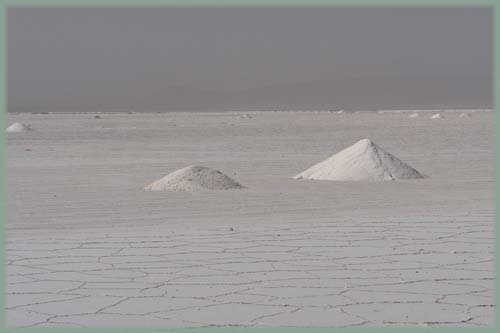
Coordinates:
[87,246]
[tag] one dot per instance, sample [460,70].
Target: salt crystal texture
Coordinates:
[194,178]
[18,127]
[363,161]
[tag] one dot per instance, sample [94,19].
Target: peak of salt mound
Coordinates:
[363,161]
[413,115]
[194,178]
[437,116]
[18,127]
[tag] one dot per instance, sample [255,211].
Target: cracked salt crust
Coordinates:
[280,253]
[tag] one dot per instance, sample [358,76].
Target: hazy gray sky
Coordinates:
[247,58]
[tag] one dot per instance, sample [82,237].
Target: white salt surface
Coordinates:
[17,128]
[87,246]
[362,161]
[194,178]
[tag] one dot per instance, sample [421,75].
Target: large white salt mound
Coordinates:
[413,115]
[18,127]
[363,161]
[437,116]
[194,178]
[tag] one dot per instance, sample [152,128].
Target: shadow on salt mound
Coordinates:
[363,161]
[194,178]
[18,127]
[437,116]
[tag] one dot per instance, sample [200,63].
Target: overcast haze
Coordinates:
[76,59]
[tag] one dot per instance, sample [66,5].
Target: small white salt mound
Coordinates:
[363,161]
[437,116]
[464,115]
[340,112]
[413,115]
[194,178]
[247,116]
[18,127]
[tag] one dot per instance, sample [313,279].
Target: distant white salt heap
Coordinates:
[437,116]
[194,178]
[413,115]
[464,115]
[363,161]
[18,127]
